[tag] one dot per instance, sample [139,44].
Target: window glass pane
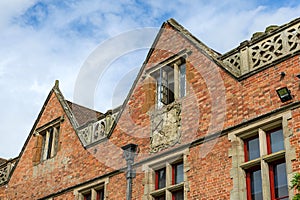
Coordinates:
[50,142]
[253,148]
[87,196]
[100,194]
[276,138]
[159,92]
[171,88]
[161,178]
[182,80]
[178,195]
[178,173]
[280,181]
[160,197]
[256,185]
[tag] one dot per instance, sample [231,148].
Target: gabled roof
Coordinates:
[2,160]
[208,52]
[84,115]
[81,115]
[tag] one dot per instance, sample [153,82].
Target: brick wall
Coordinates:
[72,164]
[215,101]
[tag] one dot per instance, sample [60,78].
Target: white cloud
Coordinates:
[41,44]
[10,8]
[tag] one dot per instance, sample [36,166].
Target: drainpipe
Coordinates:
[129,152]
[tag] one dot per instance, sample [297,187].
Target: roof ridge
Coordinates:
[211,52]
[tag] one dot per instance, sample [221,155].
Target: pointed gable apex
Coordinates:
[176,28]
[172,23]
[68,112]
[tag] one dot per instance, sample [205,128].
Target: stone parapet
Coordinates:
[264,50]
[96,131]
[5,170]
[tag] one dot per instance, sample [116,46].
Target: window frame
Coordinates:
[44,135]
[248,180]
[272,181]
[175,66]
[249,166]
[50,142]
[259,127]
[170,185]
[166,162]
[93,189]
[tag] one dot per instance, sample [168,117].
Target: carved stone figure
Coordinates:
[165,124]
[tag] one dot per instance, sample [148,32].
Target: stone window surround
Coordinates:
[39,132]
[174,62]
[167,162]
[92,187]
[237,153]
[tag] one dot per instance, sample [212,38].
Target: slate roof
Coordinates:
[2,160]
[84,115]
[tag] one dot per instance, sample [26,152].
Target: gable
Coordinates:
[43,163]
[139,118]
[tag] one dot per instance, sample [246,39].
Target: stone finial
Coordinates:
[256,35]
[271,28]
[56,84]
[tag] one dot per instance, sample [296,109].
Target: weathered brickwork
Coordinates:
[72,164]
[216,103]
[211,170]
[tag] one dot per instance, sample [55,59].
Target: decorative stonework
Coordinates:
[96,131]
[165,123]
[5,170]
[3,173]
[264,50]
[275,47]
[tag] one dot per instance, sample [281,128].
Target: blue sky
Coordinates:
[45,40]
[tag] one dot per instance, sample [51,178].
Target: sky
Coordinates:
[47,40]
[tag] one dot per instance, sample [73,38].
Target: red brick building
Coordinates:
[201,125]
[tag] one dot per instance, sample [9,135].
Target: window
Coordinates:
[46,141]
[260,156]
[93,194]
[92,191]
[274,144]
[160,178]
[50,140]
[170,83]
[169,182]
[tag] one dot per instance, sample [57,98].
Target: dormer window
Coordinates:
[50,138]
[170,82]
[46,142]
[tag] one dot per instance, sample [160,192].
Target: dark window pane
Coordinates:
[100,194]
[253,148]
[50,143]
[171,93]
[256,185]
[87,196]
[161,178]
[280,181]
[182,80]
[178,195]
[276,138]
[160,197]
[178,173]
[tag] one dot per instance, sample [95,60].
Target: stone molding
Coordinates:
[98,130]
[263,51]
[165,124]
[5,170]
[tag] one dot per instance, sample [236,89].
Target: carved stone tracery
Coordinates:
[96,131]
[264,51]
[165,124]
[5,170]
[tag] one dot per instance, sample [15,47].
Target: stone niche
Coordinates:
[165,127]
